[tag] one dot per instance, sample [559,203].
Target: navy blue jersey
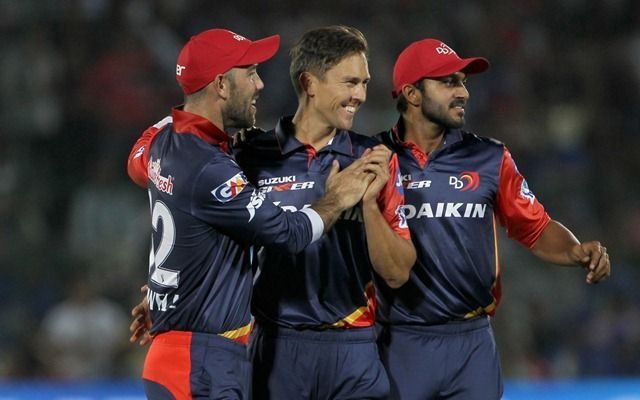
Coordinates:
[205,215]
[330,283]
[453,198]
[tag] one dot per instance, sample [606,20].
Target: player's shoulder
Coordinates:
[470,138]
[360,138]
[360,142]
[221,167]
[257,144]
[257,139]
[388,138]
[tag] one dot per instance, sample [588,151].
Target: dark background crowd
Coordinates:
[80,79]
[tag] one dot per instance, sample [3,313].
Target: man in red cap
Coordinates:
[206,215]
[437,342]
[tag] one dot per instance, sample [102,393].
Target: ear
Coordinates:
[412,95]
[221,86]
[308,83]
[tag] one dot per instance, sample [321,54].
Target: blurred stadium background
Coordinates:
[80,79]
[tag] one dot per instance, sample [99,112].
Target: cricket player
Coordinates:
[205,215]
[315,310]
[437,342]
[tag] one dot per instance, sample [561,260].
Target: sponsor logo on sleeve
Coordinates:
[257,198]
[525,192]
[402,217]
[139,152]
[231,188]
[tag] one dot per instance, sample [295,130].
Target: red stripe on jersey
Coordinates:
[391,199]
[518,210]
[168,363]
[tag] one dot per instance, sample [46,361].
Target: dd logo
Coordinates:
[455,182]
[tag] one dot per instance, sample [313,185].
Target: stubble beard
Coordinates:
[238,112]
[439,115]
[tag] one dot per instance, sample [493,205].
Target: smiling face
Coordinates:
[337,96]
[239,110]
[444,100]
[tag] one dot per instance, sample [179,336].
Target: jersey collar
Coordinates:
[186,122]
[285,135]
[451,136]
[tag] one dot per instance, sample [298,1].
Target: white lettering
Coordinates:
[467,210]
[479,210]
[302,185]
[425,210]
[277,179]
[452,210]
[160,301]
[409,211]
[444,49]
[455,182]
[445,210]
[419,184]
[439,209]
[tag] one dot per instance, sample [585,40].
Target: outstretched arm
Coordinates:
[558,245]
[526,221]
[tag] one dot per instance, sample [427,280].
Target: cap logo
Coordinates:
[179,69]
[239,38]
[444,49]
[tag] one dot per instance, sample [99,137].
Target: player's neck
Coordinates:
[206,111]
[311,129]
[427,135]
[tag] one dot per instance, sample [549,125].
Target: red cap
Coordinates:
[430,58]
[216,51]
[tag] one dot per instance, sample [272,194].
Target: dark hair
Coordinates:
[319,50]
[401,104]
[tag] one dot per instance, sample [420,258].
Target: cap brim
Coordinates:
[473,65]
[260,51]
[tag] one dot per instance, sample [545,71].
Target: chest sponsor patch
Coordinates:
[445,210]
[288,186]
[467,180]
